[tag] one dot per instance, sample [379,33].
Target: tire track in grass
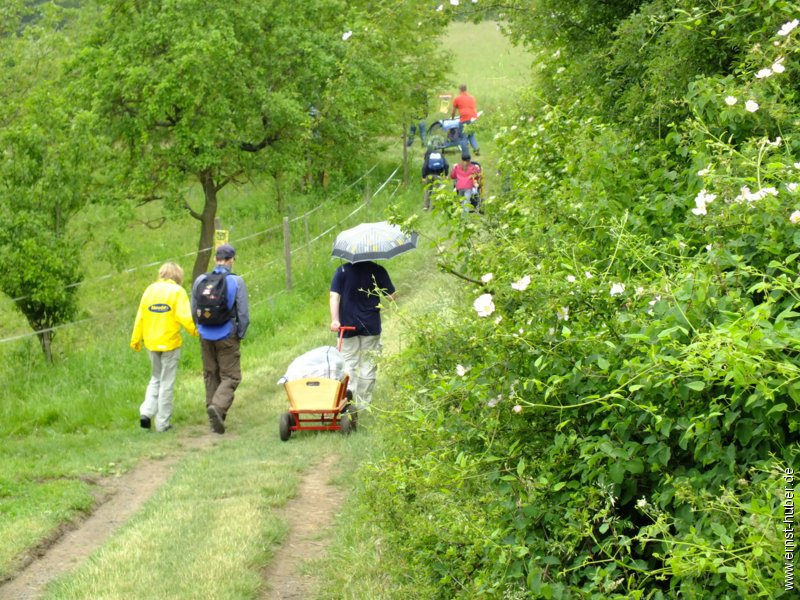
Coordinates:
[124,496]
[309,516]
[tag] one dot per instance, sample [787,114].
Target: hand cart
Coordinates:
[319,403]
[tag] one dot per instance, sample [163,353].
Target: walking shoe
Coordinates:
[215,418]
[144,422]
[167,428]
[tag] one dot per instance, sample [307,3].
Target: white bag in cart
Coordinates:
[325,361]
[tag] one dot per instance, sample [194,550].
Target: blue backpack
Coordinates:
[435,161]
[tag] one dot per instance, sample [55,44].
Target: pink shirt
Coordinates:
[467,178]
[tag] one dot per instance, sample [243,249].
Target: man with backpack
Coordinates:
[222,313]
[434,168]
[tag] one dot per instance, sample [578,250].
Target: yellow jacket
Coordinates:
[164,307]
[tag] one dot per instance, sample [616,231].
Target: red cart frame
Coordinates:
[319,403]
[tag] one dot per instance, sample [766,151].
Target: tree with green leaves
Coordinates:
[213,93]
[45,172]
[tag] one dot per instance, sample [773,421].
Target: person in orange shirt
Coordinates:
[163,309]
[467,108]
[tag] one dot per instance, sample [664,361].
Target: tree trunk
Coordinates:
[278,192]
[45,338]
[206,224]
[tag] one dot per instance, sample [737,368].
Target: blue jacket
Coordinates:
[237,300]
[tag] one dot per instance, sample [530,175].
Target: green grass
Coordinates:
[213,527]
[484,60]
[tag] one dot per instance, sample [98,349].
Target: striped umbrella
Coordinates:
[372,241]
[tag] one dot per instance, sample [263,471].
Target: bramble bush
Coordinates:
[608,411]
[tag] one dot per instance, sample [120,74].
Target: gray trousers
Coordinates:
[158,397]
[222,372]
[360,355]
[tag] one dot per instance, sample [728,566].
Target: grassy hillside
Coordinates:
[64,425]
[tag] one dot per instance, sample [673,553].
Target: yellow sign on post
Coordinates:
[444,102]
[220,237]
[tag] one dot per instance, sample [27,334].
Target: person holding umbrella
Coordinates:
[355,296]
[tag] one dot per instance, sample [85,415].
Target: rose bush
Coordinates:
[608,415]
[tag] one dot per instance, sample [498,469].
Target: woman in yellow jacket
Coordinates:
[164,307]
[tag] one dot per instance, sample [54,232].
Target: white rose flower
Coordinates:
[483,305]
[751,106]
[788,27]
[563,313]
[571,278]
[795,217]
[487,278]
[617,289]
[461,370]
[346,35]
[731,100]
[522,284]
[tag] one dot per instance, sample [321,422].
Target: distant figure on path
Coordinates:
[466,177]
[434,169]
[467,108]
[163,309]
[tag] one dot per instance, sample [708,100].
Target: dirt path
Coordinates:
[124,496]
[308,515]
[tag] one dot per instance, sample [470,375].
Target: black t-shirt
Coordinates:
[356,283]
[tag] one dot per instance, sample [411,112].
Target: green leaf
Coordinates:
[617,472]
[635,466]
[781,407]
[696,386]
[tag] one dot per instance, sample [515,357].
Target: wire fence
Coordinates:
[127,310]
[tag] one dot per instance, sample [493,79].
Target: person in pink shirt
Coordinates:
[467,109]
[467,178]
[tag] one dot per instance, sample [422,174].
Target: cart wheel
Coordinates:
[347,421]
[352,412]
[436,136]
[285,426]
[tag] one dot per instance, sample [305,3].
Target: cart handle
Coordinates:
[342,329]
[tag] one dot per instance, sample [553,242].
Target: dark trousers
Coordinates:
[222,371]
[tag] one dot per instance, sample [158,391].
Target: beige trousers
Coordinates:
[360,356]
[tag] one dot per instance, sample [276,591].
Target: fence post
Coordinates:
[308,243]
[367,192]
[287,252]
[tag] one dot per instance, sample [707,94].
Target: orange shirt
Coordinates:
[466,106]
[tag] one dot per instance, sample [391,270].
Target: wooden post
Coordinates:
[287,252]
[308,242]
[405,154]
